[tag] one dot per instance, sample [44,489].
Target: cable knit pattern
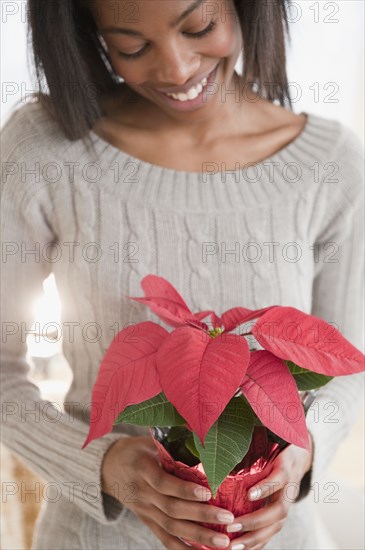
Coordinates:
[201,282]
[288,231]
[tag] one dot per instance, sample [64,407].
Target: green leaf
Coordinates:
[157,411]
[256,420]
[227,442]
[189,444]
[306,379]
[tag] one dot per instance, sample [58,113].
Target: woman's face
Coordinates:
[172,46]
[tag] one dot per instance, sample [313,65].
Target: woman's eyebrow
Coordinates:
[184,15]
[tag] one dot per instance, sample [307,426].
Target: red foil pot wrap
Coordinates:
[232,493]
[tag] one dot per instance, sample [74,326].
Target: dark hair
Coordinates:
[70,57]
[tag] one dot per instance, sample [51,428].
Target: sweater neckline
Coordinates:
[291,147]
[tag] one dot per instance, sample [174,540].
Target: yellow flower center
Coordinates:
[215,332]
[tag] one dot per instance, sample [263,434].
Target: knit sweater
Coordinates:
[287,231]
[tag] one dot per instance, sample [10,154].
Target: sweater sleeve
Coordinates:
[46,440]
[338,298]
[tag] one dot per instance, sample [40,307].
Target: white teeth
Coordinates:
[192,93]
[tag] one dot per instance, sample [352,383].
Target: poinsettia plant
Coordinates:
[207,385]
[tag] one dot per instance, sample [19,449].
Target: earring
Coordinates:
[116,76]
[103,42]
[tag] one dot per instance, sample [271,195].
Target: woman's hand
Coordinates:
[282,486]
[168,505]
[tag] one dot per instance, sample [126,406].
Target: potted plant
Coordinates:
[219,411]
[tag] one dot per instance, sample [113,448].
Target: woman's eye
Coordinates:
[205,31]
[199,34]
[132,55]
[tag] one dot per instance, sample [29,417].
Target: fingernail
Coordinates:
[222,542]
[238,546]
[234,527]
[202,493]
[225,517]
[255,494]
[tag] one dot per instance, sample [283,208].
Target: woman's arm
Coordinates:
[49,442]
[338,297]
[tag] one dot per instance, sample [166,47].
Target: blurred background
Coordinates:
[326,72]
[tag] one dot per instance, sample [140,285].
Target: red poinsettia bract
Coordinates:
[199,369]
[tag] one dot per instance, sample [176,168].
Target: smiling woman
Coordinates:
[156,47]
[152,155]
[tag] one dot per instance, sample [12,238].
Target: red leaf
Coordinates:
[236,316]
[158,287]
[272,392]
[216,321]
[194,322]
[127,375]
[308,341]
[200,374]
[164,300]
[170,312]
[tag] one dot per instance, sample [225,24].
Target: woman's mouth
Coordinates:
[193,97]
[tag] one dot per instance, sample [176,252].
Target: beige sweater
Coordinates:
[288,231]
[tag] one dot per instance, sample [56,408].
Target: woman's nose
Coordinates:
[175,66]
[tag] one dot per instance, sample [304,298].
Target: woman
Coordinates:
[153,155]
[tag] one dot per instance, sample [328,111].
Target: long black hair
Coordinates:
[70,59]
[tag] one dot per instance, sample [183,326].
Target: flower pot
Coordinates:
[232,493]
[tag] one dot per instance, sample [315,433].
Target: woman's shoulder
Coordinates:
[331,143]
[330,134]
[331,152]
[26,150]
[344,148]
[30,131]
[338,137]
[34,152]
[339,160]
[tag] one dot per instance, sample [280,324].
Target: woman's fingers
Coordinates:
[168,502]
[274,512]
[171,542]
[174,497]
[182,509]
[276,481]
[259,538]
[167,484]
[189,530]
